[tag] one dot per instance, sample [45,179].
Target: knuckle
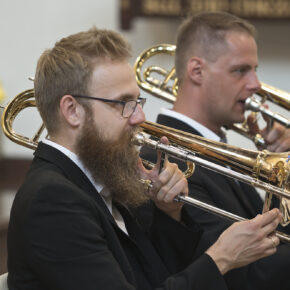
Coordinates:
[253,226]
[274,224]
[165,189]
[260,235]
[162,179]
[160,195]
[174,166]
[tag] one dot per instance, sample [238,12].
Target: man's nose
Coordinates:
[137,117]
[254,84]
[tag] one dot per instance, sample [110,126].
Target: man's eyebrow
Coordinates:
[241,65]
[244,66]
[127,97]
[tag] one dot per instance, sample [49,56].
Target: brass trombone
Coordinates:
[20,102]
[271,170]
[166,88]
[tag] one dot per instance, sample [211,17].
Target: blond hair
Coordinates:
[67,67]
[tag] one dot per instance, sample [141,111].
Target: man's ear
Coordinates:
[70,110]
[195,69]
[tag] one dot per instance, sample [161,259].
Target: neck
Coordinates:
[64,140]
[190,102]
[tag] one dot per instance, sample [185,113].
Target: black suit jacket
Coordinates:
[217,189]
[62,236]
[238,198]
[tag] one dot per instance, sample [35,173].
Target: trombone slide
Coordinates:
[186,155]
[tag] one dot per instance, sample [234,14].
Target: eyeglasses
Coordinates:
[129,107]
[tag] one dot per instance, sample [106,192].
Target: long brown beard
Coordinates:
[113,163]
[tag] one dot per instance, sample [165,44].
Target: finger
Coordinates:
[283,146]
[273,240]
[274,147]
[160,184]
[252,124]
[275,133]
[166,180]
[268,252]
[179,188]
[271,226]
[176,185]
[267,217]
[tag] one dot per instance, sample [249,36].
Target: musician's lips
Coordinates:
[241,104]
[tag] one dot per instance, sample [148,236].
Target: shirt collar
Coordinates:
[72,156]
[204,131]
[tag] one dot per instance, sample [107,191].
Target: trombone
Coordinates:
[271,170]
[185,146]
[166,89]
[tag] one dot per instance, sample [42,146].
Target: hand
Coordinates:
[245,242]
[277,137]
[167,184]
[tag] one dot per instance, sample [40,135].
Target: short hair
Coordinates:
[67,68]
[203,35]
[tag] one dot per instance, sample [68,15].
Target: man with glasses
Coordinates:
[72,224]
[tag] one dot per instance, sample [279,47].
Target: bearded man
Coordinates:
[71,222]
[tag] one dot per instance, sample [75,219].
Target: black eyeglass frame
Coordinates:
[139,101]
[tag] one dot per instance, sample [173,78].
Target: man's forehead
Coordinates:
[239,39]
[114,80]
[240,48]
[111,73]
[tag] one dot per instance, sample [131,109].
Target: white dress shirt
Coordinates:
[204,131]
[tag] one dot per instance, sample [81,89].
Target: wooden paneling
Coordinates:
[251,9]
[12,173]
[3,245]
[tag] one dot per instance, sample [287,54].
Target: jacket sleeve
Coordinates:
[176,244]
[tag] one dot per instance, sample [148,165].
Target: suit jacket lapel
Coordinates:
[77,176]
[72,172]
[150,261]
[176,124]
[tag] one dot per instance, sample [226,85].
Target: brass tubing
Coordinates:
[141,140]
[188,156]
[220,212]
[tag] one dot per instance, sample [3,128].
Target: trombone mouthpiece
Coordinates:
[138,139]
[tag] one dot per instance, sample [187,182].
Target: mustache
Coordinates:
[133,133]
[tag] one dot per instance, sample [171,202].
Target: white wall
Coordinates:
[28,27]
